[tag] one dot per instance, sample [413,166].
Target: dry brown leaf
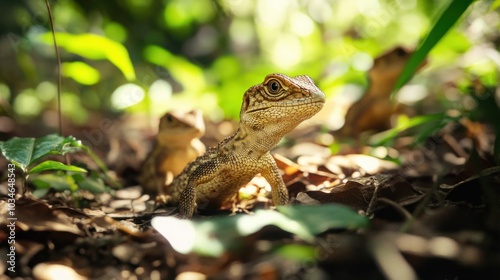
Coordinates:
[37,215]
[358,193]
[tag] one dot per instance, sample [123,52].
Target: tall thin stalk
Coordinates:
[59,78]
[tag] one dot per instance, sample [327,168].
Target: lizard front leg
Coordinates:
[187,201]
[270,171]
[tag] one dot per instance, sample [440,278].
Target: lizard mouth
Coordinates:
[289,104]
[258,109]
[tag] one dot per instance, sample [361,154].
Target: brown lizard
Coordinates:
[176,144]
[269,111]
[374,110]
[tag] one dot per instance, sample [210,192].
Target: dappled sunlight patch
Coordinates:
[181,234]
[126,96]
[52,271]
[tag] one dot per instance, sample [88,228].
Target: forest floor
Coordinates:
[433,215]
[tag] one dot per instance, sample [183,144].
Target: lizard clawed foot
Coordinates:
[162,199]
[185,214]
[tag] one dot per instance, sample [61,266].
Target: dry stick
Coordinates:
[400,209]
[59,79]
[423,204]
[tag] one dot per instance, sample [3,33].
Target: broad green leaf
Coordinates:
[95,47]
[57,182]
[447,19]
[319,218]
[215,236]
[81,72]
[93,185]
[23,152]
[188,74]
[19,151]
[55,165]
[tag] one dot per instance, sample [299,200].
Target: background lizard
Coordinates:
[269,111]
[374,110]
[176,144]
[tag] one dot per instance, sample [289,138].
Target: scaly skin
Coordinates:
[176,144]
[269,111]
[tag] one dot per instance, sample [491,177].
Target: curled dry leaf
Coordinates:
[37,215]
[357,193]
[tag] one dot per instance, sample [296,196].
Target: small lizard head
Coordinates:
[281,103]
[388,67]
[178,124]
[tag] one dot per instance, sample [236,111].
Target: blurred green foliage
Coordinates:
[444,23]
[151,56]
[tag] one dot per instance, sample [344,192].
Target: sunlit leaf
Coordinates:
[92,46]
[447,19]
[215,236]
[19,151]
[55,181]
[115,31]
[301,253]
[495,5]
[55,165]
[23,152]
[428,124]
[81,72]
[176,15]
[188,74]
[93,185]
[319,218]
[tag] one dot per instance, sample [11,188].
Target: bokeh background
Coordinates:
[147,57]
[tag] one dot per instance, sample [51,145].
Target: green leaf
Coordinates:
[495,5]
[23,152]
[447,19]
[55,165]
[19,151]
[298,252]
[95,47]
[319,218]
[188,74]
[55,181]
[93,185]
[39,193]
[428,124]
[81,72]
[215,236]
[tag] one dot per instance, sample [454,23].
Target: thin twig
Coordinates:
[400,209]
[59,78]
[423,204]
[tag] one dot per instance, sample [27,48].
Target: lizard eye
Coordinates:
[169,118]
[273,87]
[400,52]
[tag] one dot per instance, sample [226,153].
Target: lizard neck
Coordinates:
[255,142]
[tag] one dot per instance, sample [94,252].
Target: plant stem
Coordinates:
[59,79]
